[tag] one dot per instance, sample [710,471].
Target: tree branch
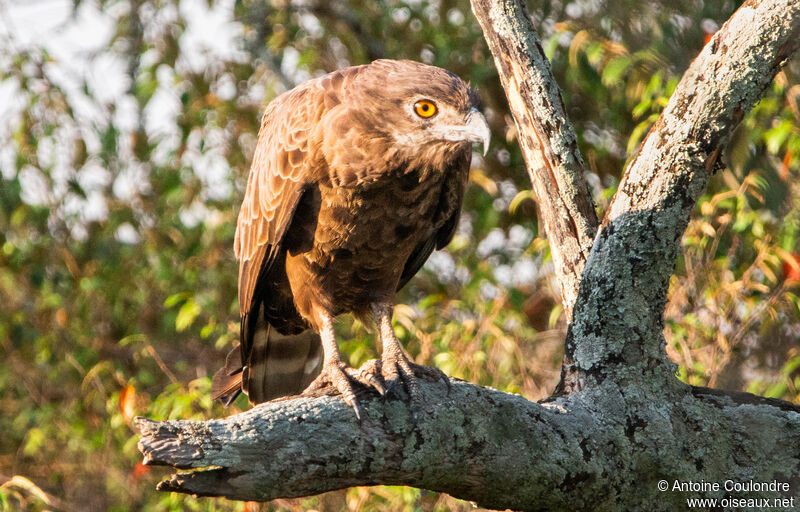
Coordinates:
[635,252]
[546,137]
[494,448]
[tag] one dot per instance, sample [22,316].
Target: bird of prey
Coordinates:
[357,177]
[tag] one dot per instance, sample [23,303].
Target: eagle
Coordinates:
[357,177]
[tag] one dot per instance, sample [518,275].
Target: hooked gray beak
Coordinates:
[477,129]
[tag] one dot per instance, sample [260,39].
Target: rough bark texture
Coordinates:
[599,451]
[634,253]
[621,422]
[548,141]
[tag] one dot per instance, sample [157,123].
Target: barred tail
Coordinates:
[277,365]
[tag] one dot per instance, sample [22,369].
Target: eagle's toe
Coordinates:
[338,376]
[396,367]
[369,374]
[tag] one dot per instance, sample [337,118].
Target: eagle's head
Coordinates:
[420,110]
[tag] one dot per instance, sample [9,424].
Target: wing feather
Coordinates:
[278,177]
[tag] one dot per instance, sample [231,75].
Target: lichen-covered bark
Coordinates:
[546,137]
[617,323]
[596,450]
[620,422]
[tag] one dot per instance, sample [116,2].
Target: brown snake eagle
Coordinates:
[357,177]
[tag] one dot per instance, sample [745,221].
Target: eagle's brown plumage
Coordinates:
[350,191]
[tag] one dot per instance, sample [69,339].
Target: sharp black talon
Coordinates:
[447,383]
[358,410]
[390,386]
[379,387]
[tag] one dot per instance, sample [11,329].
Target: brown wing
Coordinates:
[283,169]
[447,213]
[278,177]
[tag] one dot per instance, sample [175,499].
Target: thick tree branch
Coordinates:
[634,254]
[487,446]
[546,137]
[722,84]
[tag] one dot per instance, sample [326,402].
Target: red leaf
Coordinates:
[139,471]
[791,268]
[127,399]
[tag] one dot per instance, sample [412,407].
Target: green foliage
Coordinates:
[733,316]
[117,278]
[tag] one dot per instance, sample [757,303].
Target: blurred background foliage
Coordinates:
[125,135]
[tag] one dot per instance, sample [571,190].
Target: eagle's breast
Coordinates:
[361,240]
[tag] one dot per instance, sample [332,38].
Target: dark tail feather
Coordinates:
[227,382]
[280,365]
[277,365]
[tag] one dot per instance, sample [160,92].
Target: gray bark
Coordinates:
[620,421]
[634,253]
[546,137]
[598,450]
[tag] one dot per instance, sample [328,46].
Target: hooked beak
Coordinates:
[476,129]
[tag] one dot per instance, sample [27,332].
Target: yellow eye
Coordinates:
[425,108]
